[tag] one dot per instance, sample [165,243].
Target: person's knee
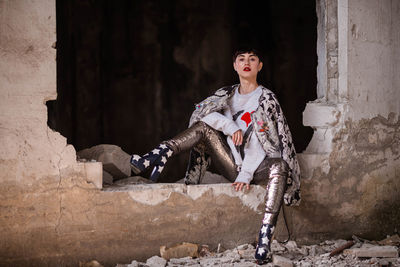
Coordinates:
[206,130]
[279,168]
[201,127]
[200,124]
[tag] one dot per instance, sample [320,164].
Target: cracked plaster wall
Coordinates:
[351,173]
[52,211]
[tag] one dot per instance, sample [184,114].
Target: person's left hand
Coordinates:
[240,186]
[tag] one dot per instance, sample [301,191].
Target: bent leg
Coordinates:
[205,139]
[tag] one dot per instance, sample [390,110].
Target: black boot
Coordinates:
[263,251]
[197,167]
[157,158]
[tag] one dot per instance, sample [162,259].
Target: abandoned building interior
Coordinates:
[78,74]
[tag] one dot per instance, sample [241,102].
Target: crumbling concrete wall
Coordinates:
[351,168]
[52,208]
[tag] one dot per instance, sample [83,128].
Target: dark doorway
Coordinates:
[129,72]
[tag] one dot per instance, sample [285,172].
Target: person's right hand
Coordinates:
[238,186]
[237,138]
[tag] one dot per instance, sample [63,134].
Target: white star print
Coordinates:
[136,157]
[169,153]
[264,229]
[163,160]
[160,168]
[146,163]
[261,251]
[163,146]
[156,151]
[264,240]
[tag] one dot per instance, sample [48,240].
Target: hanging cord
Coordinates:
[286,225]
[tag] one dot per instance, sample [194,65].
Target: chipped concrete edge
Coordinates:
[154,194]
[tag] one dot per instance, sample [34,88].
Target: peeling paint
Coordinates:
[362,183]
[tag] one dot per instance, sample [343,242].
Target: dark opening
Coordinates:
[130,72]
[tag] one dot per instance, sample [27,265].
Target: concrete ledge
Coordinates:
[154,194]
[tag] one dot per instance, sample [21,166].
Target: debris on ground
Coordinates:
[373,251]
[393,240]
[180,251]
[361,253]
[156,261]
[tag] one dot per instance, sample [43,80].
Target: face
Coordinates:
[247,65]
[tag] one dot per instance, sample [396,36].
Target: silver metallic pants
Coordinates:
[272,172]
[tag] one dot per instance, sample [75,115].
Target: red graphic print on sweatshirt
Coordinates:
[246,118]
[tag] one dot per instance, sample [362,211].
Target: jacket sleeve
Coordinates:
[216,102]
[221,123]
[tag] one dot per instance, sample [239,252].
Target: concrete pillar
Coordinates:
[351,167]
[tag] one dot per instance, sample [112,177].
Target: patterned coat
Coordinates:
[270,127]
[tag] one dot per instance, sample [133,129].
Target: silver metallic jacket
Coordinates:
[270,127]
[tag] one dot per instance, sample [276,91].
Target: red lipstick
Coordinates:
[246,69]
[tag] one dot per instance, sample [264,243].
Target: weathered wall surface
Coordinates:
[52,211]
[60,224]
[51,208]
[352,166]
[374,57]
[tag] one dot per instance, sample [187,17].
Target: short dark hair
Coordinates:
[247,49]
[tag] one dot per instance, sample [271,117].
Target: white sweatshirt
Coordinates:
[237,117]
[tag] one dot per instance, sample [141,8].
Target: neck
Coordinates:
[247,86]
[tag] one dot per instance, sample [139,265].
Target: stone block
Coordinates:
[94,173]
[187,261]
[156,261]
[291,245]
[180,251]
[115,160]
[133,264]
[373,251]
[107,178]
[230,256]
[277,247]
[281,261]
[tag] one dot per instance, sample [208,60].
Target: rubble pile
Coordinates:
[327,253]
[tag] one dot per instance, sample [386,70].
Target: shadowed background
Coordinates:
[130,72]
